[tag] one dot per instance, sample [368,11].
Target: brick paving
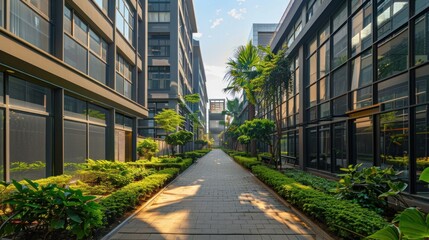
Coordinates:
[215,199]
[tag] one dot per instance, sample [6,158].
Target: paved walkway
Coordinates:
[215,199]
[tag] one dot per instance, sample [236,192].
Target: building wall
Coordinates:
[359,87]
[216,119]
[170,72]
[72,82]
[199,86]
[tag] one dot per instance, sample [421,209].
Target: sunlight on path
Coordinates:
[215,199]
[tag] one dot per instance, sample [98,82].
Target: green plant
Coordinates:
[49,210]
[343,217]
[308,179]
[125,199]
[168,120]
[410,224]
[370,187]
[179,138]
[247,162]
[147,148]
[257,129]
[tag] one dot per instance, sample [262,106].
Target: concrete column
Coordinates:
[58,141]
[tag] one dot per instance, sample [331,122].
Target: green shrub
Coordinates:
[247,162]
[49,211]
[147,148]
[308,179]
[126,198]
[344,218]
[182,165]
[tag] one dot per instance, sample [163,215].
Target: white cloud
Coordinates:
[237,13]
[198,35]
[216,22]
[241,2]
[218,11]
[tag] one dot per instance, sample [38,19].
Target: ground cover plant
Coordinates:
[79,205]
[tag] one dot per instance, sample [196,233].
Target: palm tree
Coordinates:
[233,109]
[241,71]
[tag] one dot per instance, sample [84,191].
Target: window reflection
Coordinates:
[390,15]
[421,146]
[393,55]
[363,141]
[362,30]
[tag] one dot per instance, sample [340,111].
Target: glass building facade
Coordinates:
[362,70]
[71,84]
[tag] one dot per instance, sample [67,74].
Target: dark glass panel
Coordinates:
[361,30]
[75,139]
[390,15]
[363,141]
[421,40]
[393,93]
[312,147]
[97,142]
[75,55]
[97,69]
[362,70]
[74,107]
[339,148]
[340,47]
[339,81]
[422,84]
[324,59]
[97,114]
[393,55]
[339,106]
[421,146]
[29,95]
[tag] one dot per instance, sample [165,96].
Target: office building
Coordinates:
[360,86]
[72,83]
[170,53]
[216,120]
[199,87]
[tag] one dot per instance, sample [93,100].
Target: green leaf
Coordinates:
[412,224]
[388,233]
[424,176]
[33,184]
[73,216]
[57,223]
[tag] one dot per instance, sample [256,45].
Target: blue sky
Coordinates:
[223,25]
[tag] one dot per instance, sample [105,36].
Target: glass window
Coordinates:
[390,15]
[1,17]
[394,141]
[421,146]
[340,17]
[313,69]
[97,68]
[339,147]
[80,30]
[103,4]
[421,5]
[29,95]
[324,33]
[312,148]
[324,148]
[421,40]
[97,114]
[325,110]
[393,55]
[324,59]
[356,4]
[75,139]
[312,46]
[393,93]
[340,47]
[74,107]
[159,77]
[29,25]
[68,20]
[75,55]
[313,95]
[123,77]
[125,20]
[29,144]
[362,70]
[97,142]
[362,98]
[422,84]
[339,81]
[363,141]
[339,106]
[323,90]
[361,30]
[159,45]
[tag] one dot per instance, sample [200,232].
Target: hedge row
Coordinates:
[182,164]
[344,218]
[128,197]
[247,162]
[308,179]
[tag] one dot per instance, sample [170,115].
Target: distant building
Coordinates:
[199,86]
[216,119]
[262,33]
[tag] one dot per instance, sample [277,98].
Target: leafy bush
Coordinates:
[370,187]
[49,210]
[147,148]
[308,179]
[125,199]
[344,218]
[247,162]
[182,165]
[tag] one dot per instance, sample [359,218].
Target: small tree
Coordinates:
[147,148]
[257,129]
[179,138]
[169,120]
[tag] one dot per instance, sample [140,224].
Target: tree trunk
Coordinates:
[251,116]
